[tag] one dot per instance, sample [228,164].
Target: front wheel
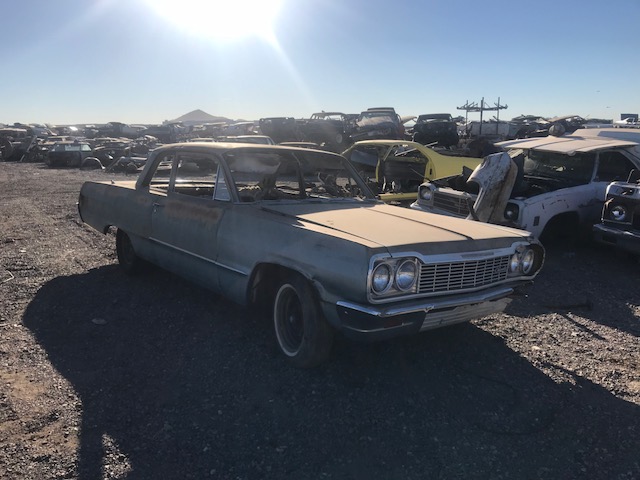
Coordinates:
[129,260]
[303,333]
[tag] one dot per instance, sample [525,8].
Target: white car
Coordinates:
[560,183]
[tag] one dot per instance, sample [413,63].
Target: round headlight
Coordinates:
[618,213]
[425,193]
[514,263]
[528,259]
[381,278]
[406,275]
[511,211]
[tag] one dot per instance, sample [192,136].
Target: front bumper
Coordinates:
[379,322]
[628,240]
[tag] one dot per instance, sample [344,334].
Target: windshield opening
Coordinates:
[574,169]
[287,175]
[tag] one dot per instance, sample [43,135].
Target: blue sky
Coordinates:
[93,61]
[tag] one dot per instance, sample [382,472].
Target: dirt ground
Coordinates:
[104,376]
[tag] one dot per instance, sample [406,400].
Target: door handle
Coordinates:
[156,206]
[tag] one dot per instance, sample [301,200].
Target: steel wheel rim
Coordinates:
[289,319]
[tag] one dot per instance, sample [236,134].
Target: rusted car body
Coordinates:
[330,129]
[298,232]
[281,129]
[559,187]
[620,225]
[15,143]
[395,169]
[436,128]
[68,154]
[378,122]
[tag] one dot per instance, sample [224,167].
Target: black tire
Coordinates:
[302,332]
[128,259]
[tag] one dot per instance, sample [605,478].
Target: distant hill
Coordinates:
[197,117]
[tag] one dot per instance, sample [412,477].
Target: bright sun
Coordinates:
[220,19]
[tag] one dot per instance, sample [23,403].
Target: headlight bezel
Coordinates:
[524,261]
[397,282]
[425,193]
[618,212]
[511,212]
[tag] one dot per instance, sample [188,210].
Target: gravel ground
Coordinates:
[108,376]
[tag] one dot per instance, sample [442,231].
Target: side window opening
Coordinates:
[613,166]
[161,177]
[195,175]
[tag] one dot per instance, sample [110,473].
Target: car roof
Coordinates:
[583,140]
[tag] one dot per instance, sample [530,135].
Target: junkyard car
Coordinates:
[438,128]
[395,169]
[559,186]
[620,225]
[382,122]
[281,129]
[331,129]
[14,143]
[298,231]
[68,154]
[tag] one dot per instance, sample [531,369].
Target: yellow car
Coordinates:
[394,169]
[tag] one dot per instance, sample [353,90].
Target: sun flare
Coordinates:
[220,19]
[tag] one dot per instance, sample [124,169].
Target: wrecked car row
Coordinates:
[558,186]
[335,131]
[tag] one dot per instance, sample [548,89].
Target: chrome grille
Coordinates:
[454,204]
[447,277]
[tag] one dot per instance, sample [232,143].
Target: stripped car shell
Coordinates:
[68,154]
[395,168]
[299,231]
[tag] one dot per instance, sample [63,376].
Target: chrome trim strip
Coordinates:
[200,257]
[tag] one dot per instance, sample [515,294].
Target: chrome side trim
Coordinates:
[199,257]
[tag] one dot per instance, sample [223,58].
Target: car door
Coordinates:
[184,223]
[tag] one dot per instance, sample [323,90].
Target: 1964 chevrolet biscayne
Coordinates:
[299,232]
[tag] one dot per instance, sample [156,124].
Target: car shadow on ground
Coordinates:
[582,292]
[177,383]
